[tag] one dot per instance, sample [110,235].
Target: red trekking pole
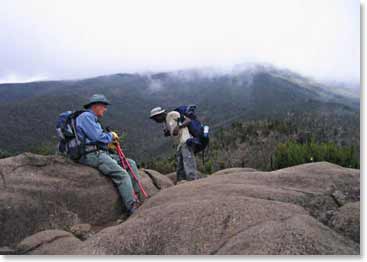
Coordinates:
[126,165]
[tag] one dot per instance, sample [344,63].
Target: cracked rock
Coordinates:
[339,197]
[82,231]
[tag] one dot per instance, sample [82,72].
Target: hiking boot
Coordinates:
[133,208]
[181,182]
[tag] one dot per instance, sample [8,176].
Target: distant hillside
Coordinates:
[269,144]
[28,111]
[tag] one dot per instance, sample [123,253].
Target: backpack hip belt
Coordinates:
[90,149]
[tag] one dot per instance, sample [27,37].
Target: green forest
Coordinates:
[293,153]
[278,143]
[265,144]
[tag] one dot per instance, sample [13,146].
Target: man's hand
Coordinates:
[176,130]
[166,132]
[115,141]
[111,146]
[184,123]
[115,137]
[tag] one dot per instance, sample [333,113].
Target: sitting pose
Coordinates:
[96,153]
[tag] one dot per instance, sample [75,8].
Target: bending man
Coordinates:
[185,158]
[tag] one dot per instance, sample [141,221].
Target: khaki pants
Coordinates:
[109,165]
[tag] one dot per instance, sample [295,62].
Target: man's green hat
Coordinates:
[97,99]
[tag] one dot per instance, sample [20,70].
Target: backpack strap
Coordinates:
[73,124]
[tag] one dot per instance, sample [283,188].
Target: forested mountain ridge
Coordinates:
[28,111]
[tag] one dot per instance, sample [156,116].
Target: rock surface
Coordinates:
[81,231]
[7,251]
[347,220]
[154,181]
[233,171]
[298,235]
[277,212]
[306,209]
[50,192]
[48,242]
[173,176]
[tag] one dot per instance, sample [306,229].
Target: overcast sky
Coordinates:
[77,39]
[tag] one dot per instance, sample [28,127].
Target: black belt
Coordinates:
[90,149]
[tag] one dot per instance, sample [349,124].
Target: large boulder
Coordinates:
[173,176]
[297,235]
[51,192]
[48,242]
[154,181]
[347,220]
[233,170]
[278,212]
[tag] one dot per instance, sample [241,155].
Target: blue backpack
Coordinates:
[69,143]
[199,132]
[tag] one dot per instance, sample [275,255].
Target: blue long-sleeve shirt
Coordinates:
[88,128]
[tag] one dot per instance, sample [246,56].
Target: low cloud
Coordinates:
[68,39]
[155,85]
[14,78]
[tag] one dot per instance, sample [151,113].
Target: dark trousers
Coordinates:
[186,163]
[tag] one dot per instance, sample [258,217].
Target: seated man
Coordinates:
[97,155]
[185,157]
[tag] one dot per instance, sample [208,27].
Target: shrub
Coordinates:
[293,153]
